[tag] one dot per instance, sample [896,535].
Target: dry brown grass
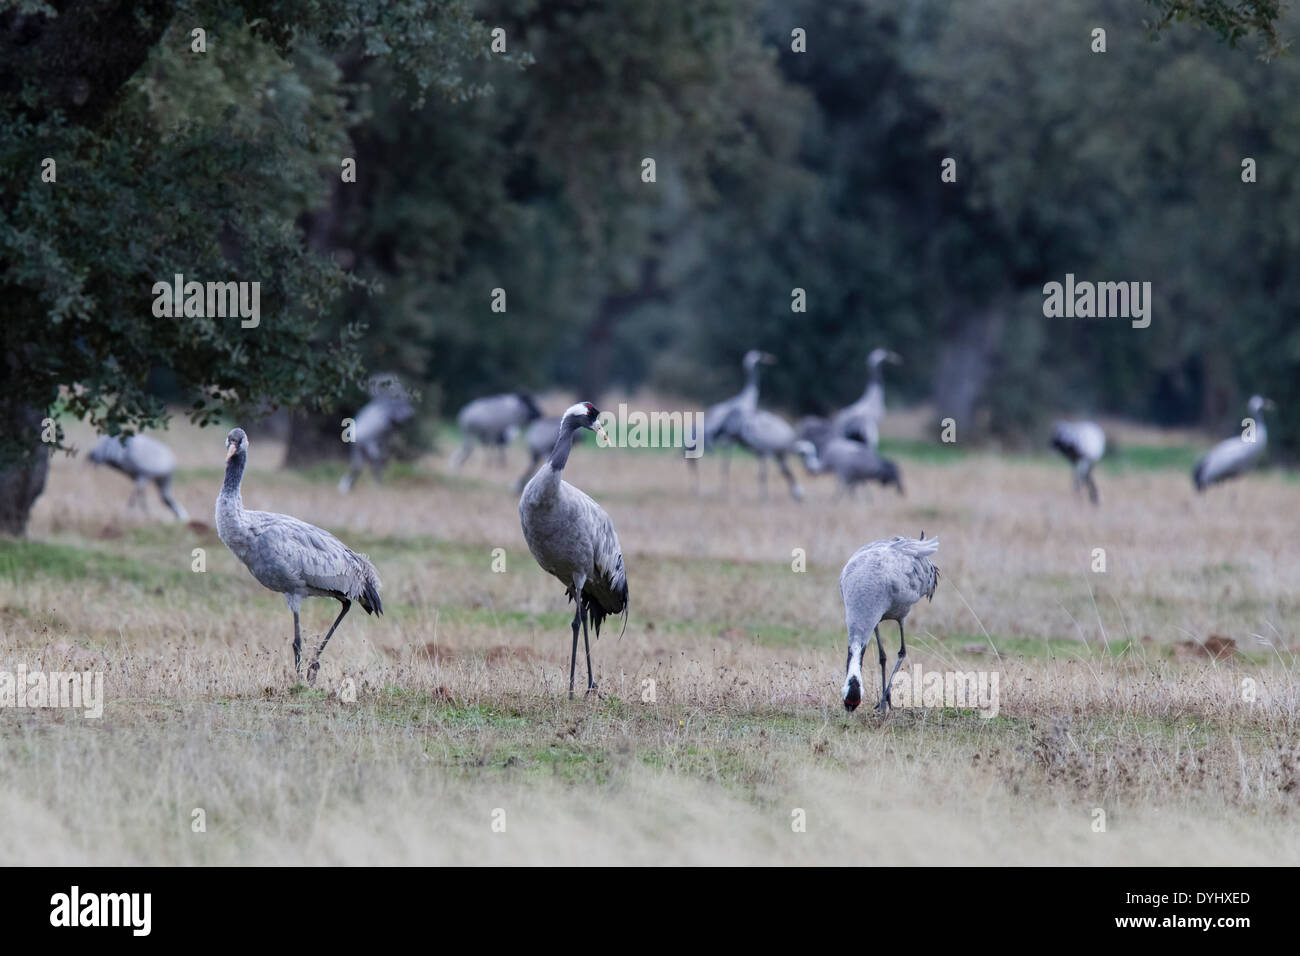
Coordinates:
[460,708]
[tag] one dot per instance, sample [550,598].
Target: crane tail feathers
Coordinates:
[370,599]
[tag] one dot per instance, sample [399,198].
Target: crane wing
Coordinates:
[317,557]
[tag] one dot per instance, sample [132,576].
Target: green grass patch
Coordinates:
[1151,458]
[922,450]
[24,560]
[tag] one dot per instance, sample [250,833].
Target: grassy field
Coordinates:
[441,733]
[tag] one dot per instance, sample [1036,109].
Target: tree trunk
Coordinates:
[314,438]
[965,360]
[22,480]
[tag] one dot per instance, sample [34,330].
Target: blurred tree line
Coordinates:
[521,169]
[820,170]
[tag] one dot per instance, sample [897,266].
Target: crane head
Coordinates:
[852,694]
[587,415]
[755,357]
[879,356]
[106,449]
[1259,403]
[236,442]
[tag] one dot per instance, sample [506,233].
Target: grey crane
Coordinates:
[881,582]
[292,557]
[1083,444]
[769,436]
[852,463]
[815,430]
[540,439]
[370,430]
[494,421]
[572,538]
[143,460]
[722,421]
[1233,456]
[861,420]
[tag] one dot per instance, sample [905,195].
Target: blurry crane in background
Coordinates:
[493,421]
[722,421]
[814,430]
[769,436]
[852,463]
[143,460]
[1083,444]
[1232,456]
[861,420]
[389,407]
[573,539]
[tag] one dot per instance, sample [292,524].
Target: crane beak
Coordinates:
[768,359]
[599,429]
[231,448]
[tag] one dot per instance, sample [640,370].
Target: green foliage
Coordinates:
[203,164]
[1232,20]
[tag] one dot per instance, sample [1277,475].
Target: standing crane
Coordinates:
[370,430]
[722,421]
[769,436]
[1233,456]
[143,460]
[292,557]
[852,463]
[881,582]
[861,420]
[493,421]
[572,538]
[1083,443]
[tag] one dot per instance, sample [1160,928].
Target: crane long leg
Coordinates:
[165,492]
[795,491]
[297,644]
[586,643]
[884,687]
[315,662]
[137,496]
[902,652]
[573,659]
[1092,488]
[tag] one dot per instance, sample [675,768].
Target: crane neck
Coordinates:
[749,394]
[875,379]
[234,478]
[563,445]
[813,462]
